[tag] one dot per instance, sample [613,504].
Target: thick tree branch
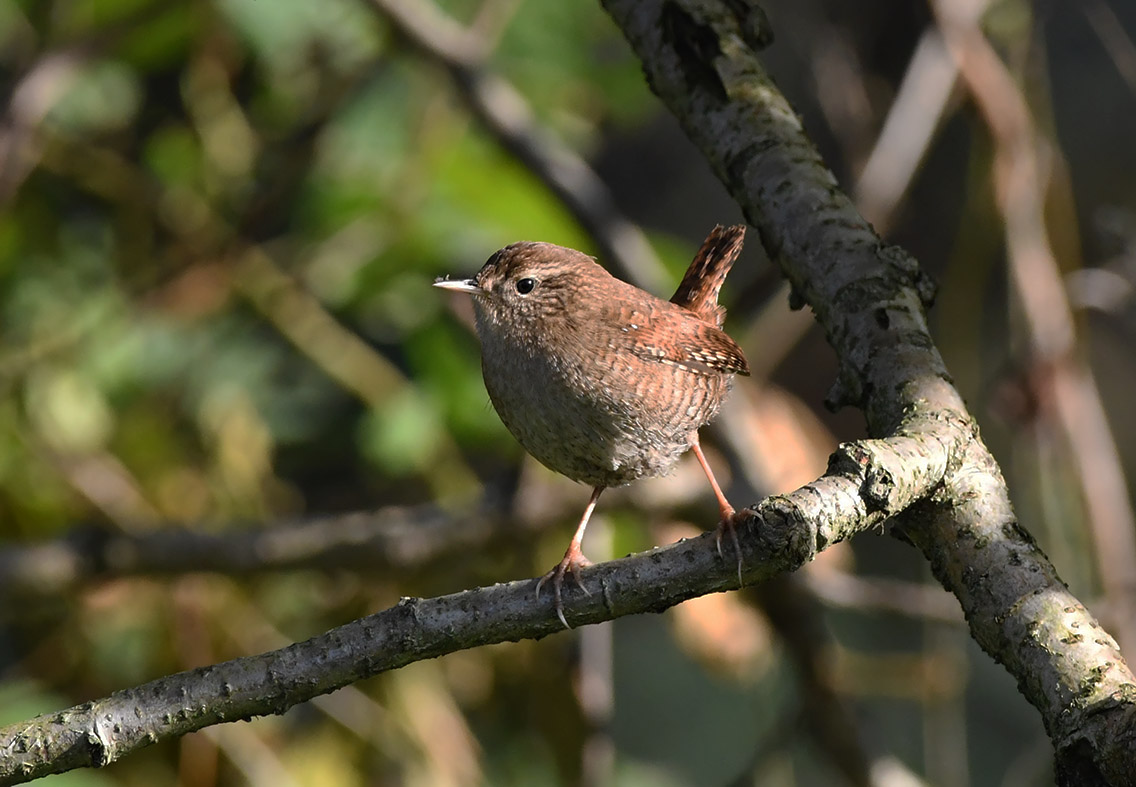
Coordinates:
[867,482]
[699,58]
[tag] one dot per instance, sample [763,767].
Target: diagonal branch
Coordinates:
[699,58]
[867,482]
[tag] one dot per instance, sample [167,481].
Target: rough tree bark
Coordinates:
[700,58]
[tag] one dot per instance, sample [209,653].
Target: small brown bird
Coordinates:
[597,379]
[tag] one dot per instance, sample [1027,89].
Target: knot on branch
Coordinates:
[102,746]
[846,391]
[863,460]
[696,45]
[786,529]
[902,261]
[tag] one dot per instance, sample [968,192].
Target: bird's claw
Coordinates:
[729,524]
[573,561]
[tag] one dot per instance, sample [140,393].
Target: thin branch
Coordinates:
[915,115]
[911,123]
[396,542]
[390,540]
[867,482]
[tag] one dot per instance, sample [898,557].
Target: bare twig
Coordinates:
[394,540]
[911,123]
[793,528]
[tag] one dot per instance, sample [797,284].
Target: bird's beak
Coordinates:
[459,285]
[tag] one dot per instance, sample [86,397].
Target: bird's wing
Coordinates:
[690,343]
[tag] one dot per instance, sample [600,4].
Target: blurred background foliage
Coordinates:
[219,224]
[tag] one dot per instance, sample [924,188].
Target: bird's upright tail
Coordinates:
[699,288]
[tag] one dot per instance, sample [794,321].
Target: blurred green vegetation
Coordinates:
[219,225]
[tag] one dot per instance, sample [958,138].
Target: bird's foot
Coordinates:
[728,525]
[573,561]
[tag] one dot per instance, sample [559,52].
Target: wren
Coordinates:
[599,380]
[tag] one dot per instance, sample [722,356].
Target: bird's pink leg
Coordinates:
[573,560]
[726,513]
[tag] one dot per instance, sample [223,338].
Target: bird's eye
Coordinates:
[526,285]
